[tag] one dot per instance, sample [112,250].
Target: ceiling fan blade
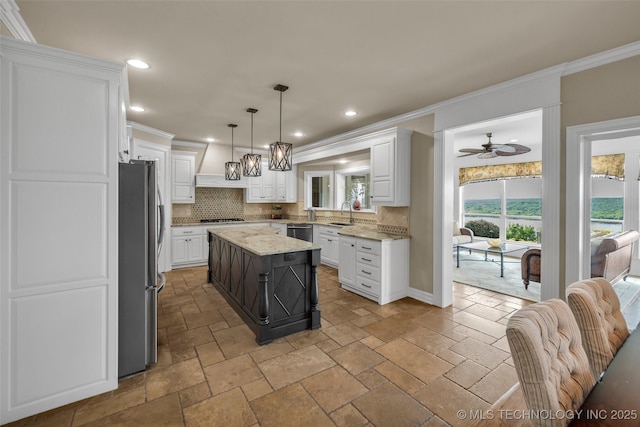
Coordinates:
[471,150]
[466,155]
[489,155]
[512,150]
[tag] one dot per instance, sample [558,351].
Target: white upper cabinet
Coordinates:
[391,169]
[183,168]
[271,186]
[60,135]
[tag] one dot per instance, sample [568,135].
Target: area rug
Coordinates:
[475,271]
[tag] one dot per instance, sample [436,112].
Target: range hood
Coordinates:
[218,181]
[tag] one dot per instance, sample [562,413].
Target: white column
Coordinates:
[442,218]
[550,275]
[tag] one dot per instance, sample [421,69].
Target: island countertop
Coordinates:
[262,240]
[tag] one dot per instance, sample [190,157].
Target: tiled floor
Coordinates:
[402,364]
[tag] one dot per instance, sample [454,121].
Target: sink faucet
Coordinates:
[350,210]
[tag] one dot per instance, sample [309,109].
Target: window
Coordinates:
[353,186]
[318,189]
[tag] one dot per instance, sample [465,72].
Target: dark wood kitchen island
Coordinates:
[269,279]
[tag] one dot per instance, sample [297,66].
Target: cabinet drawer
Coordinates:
[330,231]
[368,259]
[187,231]
[368,246]
[370,286]
[368,272]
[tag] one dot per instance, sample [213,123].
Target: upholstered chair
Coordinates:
[530,266]
[550,361]
[596,307]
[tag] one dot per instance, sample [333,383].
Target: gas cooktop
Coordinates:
[222,220]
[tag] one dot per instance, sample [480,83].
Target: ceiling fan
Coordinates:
[490,150]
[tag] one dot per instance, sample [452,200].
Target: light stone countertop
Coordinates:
[262,240]
[359,230]
[368,232]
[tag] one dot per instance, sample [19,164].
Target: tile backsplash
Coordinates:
[229,203]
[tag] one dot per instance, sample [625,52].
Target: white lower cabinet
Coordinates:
[189,246]
[282,228]
[378,270]
[329,245]
[347,260]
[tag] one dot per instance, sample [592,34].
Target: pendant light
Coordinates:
[280,153]
[251,163]
[232,169]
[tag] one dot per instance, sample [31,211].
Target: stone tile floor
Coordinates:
[402,364]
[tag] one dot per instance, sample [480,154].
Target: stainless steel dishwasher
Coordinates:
[300,231]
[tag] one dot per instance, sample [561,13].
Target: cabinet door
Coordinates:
[63,173]
[281,186]
[182,178]
[268,183]
[179,250]
[195,248]
[347,260]
[382,171]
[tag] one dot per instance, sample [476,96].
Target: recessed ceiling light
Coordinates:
[209,139]
[513,140]
[350,113]
[266,145]
[343,161]
[298,133]
[137,108]
[138,63]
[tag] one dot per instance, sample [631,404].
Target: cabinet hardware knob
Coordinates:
[366,272]
[364,247]
[366,286]
[365,259]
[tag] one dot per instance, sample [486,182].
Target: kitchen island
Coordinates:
[269,279]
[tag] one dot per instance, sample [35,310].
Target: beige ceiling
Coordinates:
[211,60]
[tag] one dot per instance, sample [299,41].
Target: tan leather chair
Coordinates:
[596,307]
[551,363]
[531,266]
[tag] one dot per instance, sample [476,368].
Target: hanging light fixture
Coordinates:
[280,154]
[251,163]
[232,169]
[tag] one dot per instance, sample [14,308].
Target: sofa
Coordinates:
[461,234]
[611,255]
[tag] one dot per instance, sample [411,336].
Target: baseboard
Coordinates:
[419,295]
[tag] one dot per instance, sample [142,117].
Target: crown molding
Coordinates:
[11,18]
[189,143]
[152,131]
[602,58]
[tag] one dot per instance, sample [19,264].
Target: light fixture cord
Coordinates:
[232,145]
[252,133]
[280,140]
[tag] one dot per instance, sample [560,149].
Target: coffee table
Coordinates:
[483,246]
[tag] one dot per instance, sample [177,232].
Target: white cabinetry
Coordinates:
[391,169]
[378,270]
[271,186]
[189,246]
[347,261]
[183,170]
[61,128]
[329,245]
[282,228]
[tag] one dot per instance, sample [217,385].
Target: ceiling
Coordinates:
[211,60]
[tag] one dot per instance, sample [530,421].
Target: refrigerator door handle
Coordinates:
[161,214]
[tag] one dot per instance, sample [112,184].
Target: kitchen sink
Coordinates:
[341,223]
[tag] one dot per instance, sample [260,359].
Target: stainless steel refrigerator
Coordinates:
[141,218]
